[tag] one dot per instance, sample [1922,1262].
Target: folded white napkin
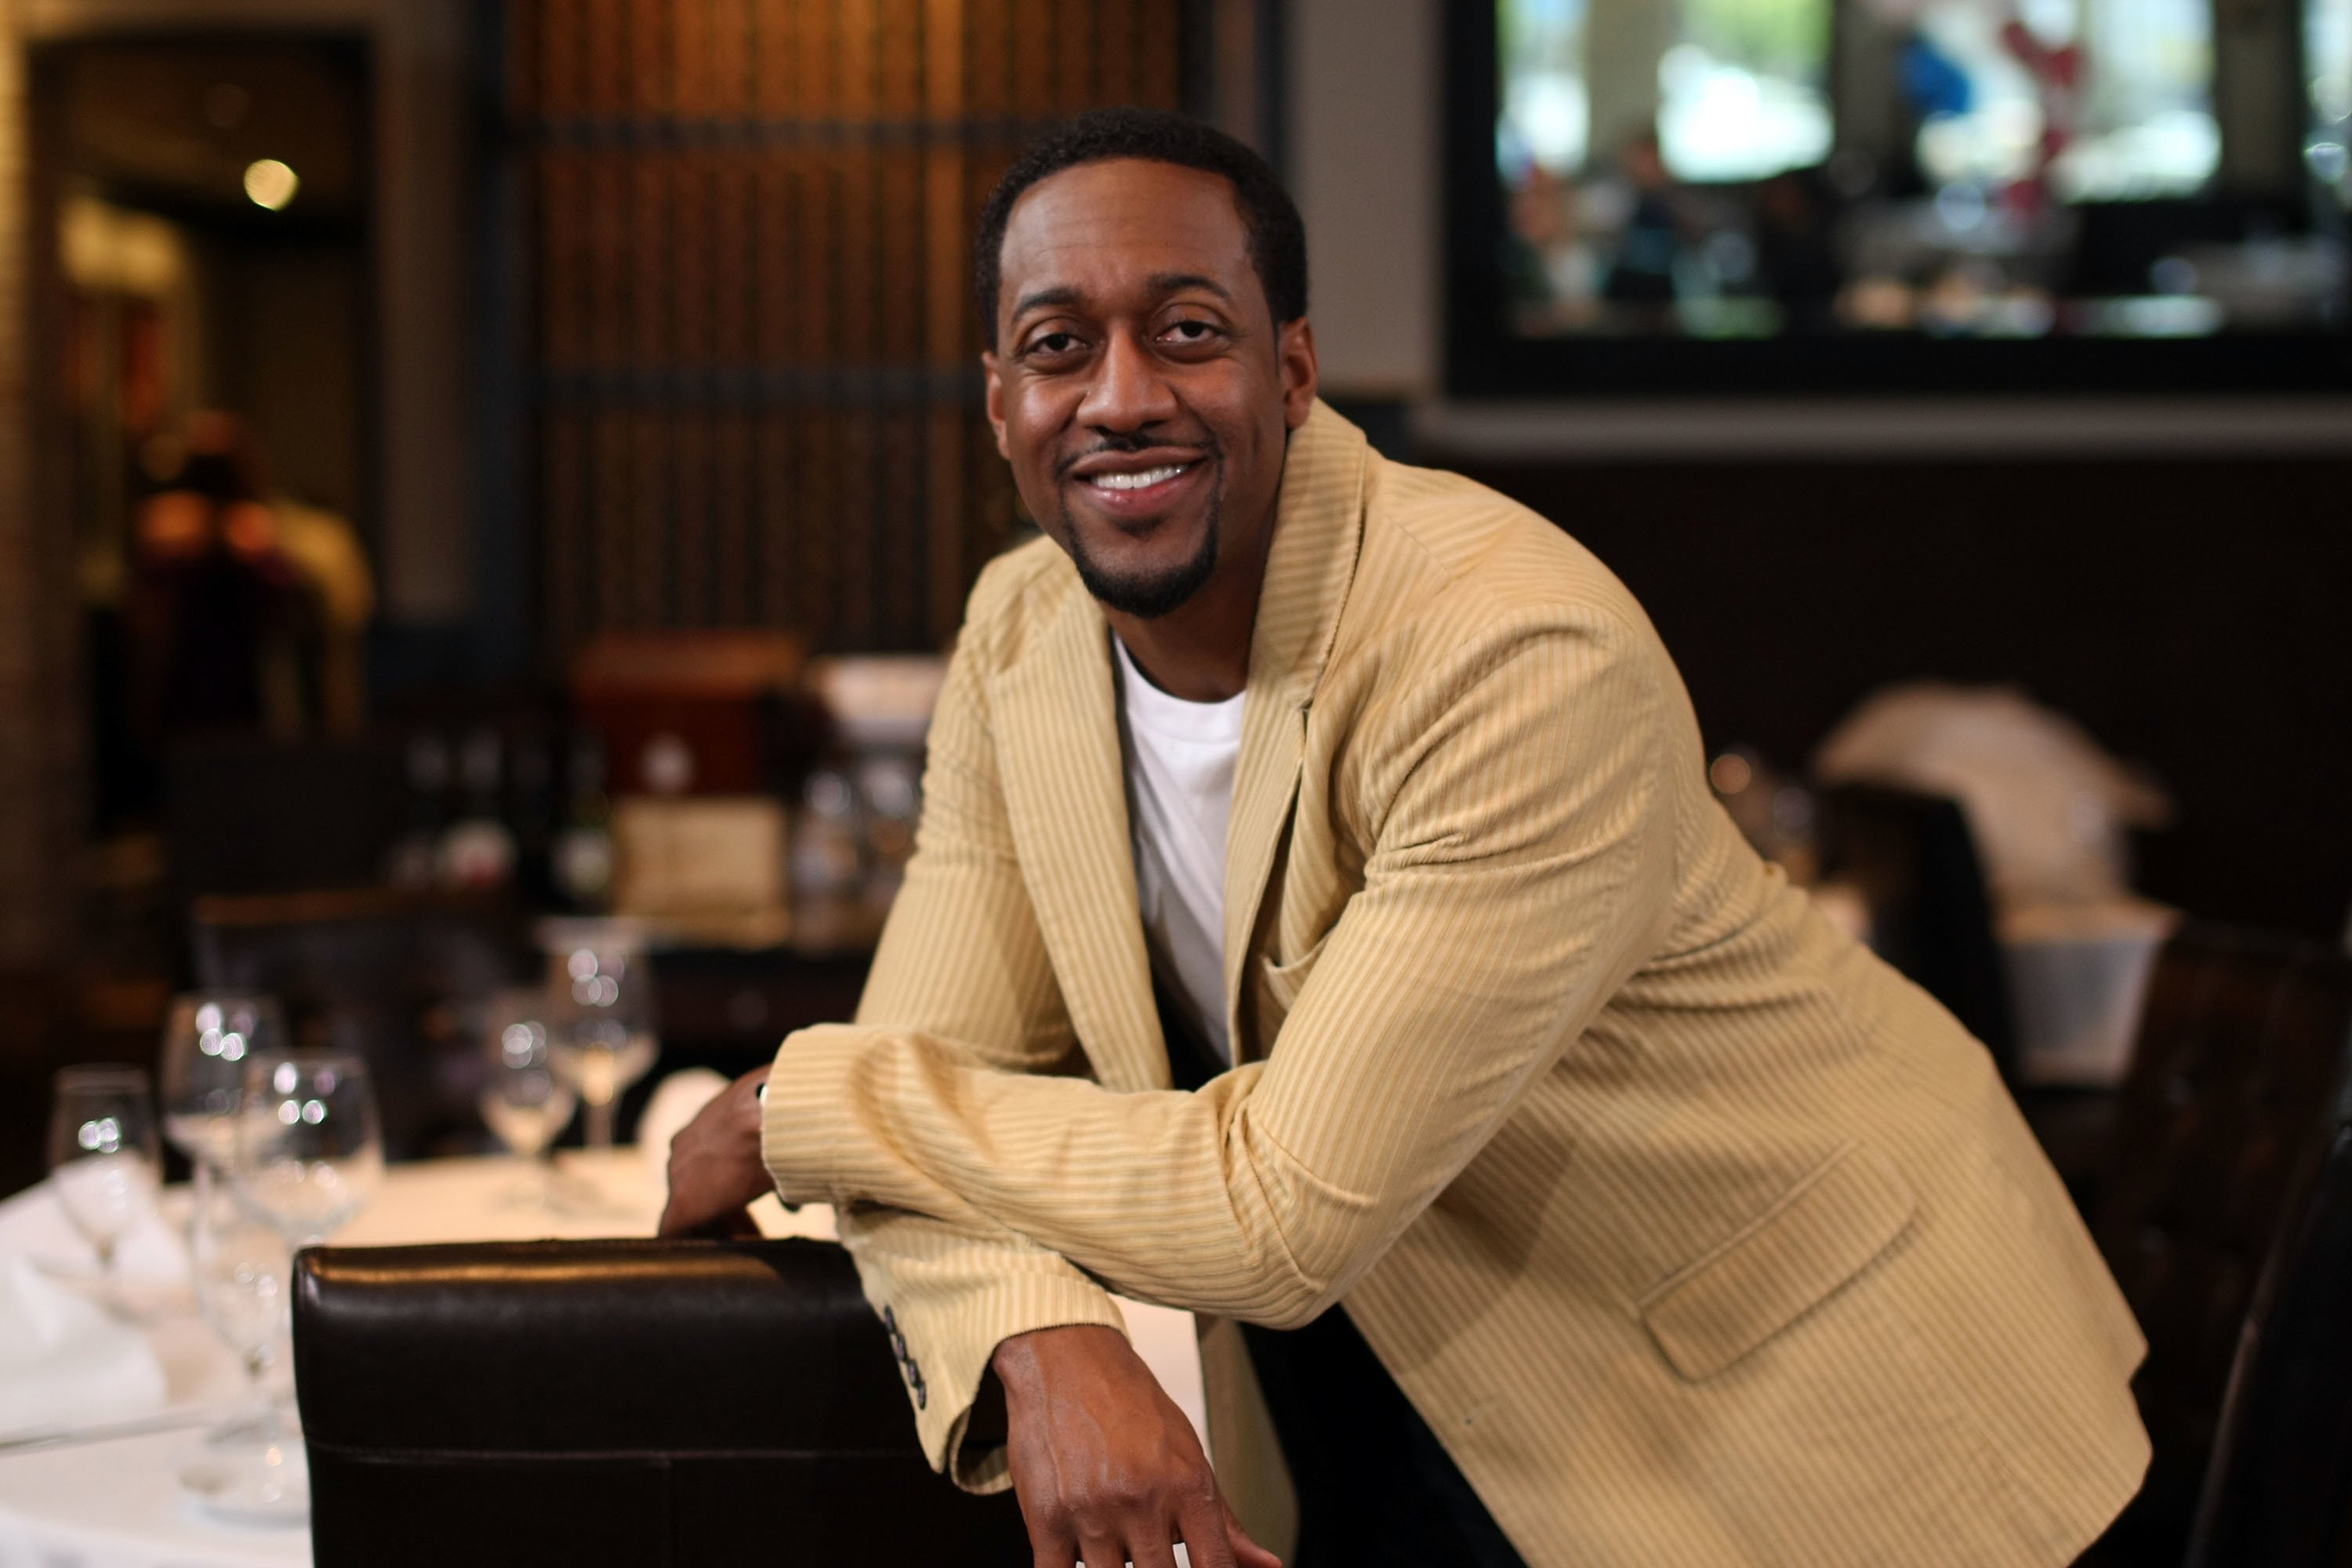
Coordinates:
[676,1102]
[64,1360]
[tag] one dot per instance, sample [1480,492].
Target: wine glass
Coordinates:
[242,1269]
[207,1039]
[250,1465]
[600,1014]
[309,1149]
[525,1102]
[103,1156]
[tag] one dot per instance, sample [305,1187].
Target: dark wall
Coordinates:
[2195,616]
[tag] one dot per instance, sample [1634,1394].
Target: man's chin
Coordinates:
[1145,593]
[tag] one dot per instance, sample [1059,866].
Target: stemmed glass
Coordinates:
[242,1269]
[251,1465]
[525,1102]
[600,1014]
[306,1156]
[104,1157]
[309,1148]
[208,1040]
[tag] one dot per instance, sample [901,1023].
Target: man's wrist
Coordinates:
[1022,1361]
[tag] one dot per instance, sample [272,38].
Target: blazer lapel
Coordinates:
[1317,534]
[1066,792]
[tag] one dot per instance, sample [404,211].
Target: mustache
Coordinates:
[1205,448]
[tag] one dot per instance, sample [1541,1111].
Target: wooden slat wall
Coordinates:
[755,393]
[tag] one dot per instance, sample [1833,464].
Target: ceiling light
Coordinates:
[270,183]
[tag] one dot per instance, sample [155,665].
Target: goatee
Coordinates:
[1150,595]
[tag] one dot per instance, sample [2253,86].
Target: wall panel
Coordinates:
[754,393]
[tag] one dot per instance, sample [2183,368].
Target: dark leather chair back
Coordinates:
[2280,1490]
[1913,860]
[634,1403]
[375,971]
[2241,1055]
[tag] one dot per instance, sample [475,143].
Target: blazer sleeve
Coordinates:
[962,964]
[1521,866]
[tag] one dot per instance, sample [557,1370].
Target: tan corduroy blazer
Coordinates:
[1698,1235]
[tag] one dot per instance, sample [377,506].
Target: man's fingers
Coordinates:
[1247,1554]
[1155,1550]
[1205,1545]
[1101,1551]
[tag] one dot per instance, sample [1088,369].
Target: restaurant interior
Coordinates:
[490,489]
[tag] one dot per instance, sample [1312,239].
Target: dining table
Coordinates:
[106,1492]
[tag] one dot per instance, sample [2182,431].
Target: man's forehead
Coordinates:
[1123,226]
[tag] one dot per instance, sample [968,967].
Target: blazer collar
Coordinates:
[1318,536]
[1055,708]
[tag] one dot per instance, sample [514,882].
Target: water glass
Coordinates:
[104,1154]
[309,1147]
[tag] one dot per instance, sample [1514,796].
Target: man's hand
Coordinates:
[715,1169]
[1106,1466]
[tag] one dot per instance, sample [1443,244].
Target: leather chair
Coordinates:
[2280,1489]
[630,1403]
[2229,1104]
[1913,860]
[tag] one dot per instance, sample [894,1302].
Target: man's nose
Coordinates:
[1129,390]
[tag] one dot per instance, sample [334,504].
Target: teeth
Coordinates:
[1136,481]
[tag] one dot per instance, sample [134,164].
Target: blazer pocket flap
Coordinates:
[1779,1265]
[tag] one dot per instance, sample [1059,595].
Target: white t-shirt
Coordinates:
[1180,759]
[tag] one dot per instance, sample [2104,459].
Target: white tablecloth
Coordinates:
[116,1503]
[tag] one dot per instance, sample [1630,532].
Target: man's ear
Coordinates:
[994,377]
[1302,377]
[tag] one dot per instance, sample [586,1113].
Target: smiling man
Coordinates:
[1319,920]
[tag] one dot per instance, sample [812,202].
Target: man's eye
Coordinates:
[1052,344]
[1189,331]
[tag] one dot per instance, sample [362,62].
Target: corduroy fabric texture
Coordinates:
[1698,1235]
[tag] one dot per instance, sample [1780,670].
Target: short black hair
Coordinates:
[1277,239]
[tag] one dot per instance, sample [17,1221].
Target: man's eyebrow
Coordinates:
[1159,282]
[1061,294]
[1169,282]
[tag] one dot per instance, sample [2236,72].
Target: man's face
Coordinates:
[1140,387]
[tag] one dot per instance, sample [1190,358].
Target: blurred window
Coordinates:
[2327,62]
[1743,91]
[1547,117]
[1970,169]
[1742,87]
[2113,98]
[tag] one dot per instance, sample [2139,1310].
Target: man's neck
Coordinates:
[1200,650]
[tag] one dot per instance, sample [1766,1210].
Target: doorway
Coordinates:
[207,279]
